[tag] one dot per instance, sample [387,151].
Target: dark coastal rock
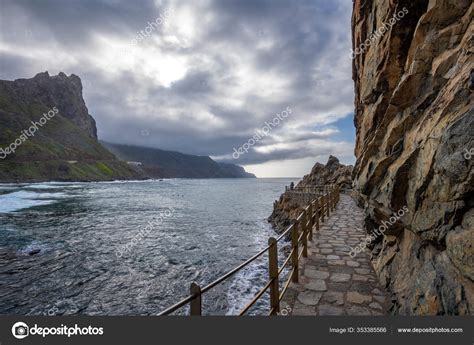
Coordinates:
[333,173]
[285,211]
[232,170]
[414,120]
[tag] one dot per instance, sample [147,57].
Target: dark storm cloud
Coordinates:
[204,81]
[72,22]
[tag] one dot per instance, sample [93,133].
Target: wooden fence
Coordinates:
[301,231]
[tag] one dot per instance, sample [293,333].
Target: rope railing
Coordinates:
[300,232]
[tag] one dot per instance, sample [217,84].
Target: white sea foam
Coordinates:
[15,201]
[247,283]
[125,181]
[50,185]
[33,246]
[245,286]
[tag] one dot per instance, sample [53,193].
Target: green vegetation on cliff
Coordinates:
[63,148]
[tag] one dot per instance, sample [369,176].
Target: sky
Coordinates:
[268,79]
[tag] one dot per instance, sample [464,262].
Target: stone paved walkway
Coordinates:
[330,281]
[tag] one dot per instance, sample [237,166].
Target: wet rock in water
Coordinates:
[173,262]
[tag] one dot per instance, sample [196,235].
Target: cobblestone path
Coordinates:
[331,282]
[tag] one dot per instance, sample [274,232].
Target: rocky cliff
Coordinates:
[413,66]
[333,173]
[46,133]
[233,170]
[292,202]
[63,91]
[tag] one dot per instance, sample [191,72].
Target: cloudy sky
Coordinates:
[200,77]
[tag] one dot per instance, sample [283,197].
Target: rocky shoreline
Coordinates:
[291,203]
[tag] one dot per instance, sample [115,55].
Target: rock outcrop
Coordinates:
[47,134]
[292,202]
[62,91]
[333,173]
[415,130]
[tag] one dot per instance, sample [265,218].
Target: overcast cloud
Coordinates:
[203,81]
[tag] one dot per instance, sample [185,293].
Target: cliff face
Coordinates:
[62,91]
[46,133]
[415,128]
[233,170]
[291,203]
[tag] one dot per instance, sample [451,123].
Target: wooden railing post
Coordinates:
[323,212]
[311,221]
[330,198]
[273,272]
[304,230]
[316,210]
[333,199]
[294,255]
[328,203]
[196,305]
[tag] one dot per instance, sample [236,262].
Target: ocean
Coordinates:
[132,248]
